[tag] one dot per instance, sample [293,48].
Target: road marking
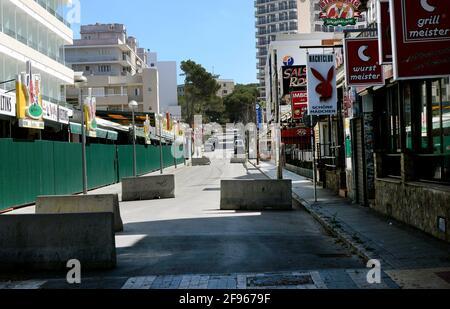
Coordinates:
[139,283]
[24,285]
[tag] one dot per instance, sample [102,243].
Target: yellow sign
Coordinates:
[90,117]
[29,101]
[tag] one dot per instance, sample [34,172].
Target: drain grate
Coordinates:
[279,280]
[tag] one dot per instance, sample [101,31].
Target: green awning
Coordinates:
[75,128]
[113,135]
[102,133]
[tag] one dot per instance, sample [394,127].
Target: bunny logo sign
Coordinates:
[322,92]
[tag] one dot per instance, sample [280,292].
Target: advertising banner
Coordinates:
[259,116]
[322,92]
[90,110]
[299,104]
[362,63]
[420,38]
[56,113]
[29,100]
[147,130]
[384,32]
[294,79]
[340,12]
[7,105]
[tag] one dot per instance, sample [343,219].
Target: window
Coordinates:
[104,68]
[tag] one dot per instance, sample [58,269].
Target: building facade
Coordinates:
[168,94]
[272,17]
[275,17]
[34,32]
[226,87]
[111,61]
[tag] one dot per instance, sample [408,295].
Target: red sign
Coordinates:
[299,104]
[384,32]
[420,38]
[362,62]
[296,136]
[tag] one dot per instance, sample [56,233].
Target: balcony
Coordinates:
[112,100]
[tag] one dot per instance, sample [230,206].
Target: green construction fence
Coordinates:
[32,168]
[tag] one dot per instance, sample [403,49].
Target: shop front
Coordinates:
[412,153]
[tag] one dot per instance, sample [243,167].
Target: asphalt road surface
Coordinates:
[191,235]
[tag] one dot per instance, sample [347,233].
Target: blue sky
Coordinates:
[214,33]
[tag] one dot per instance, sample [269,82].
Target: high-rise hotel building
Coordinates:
[35,31]
[272,17]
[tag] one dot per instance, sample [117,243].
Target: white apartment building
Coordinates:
[34,31]
[116,68]
[105,49]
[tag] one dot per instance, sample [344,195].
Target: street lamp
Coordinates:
[133,105]
[161,157]
[80,82]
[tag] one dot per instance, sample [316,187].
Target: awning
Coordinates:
[75,128]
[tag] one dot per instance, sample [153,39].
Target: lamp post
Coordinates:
[80,82]
[161,157]
[133,105]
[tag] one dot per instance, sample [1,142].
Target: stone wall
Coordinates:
[333,181]
[350,189]
[414,203]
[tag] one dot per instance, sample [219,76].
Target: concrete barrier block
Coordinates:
[201,161]
[81,204]
[256,195]
[148,188]
[48,242]
[238,160]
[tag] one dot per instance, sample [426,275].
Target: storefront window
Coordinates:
[436,116]
[445,89]
[394,120]
[407,114]
[424,119]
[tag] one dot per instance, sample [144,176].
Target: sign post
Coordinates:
[384,32]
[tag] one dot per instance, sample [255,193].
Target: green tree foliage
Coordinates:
[201,94]
[240,106]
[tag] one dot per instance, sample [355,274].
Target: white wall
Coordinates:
[168,95]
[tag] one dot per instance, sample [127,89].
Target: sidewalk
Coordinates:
[405,253]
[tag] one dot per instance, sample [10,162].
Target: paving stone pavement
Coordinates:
[372,236]
[323,279]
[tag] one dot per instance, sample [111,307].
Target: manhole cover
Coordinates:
[279,280]
[445,276]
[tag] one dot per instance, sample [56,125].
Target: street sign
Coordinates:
[362,65]
[322,92]
[384,32]
[7,105]
[420,38]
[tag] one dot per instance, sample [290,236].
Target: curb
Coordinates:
[345,237]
